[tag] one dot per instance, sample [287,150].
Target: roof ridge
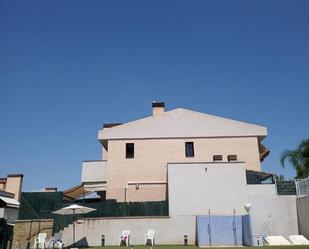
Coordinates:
[180,121]
[219,117]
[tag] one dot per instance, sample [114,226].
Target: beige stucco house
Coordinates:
[206,170]
[135,155]
[10,193]
[201,165]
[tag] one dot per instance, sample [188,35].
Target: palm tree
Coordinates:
[299,158]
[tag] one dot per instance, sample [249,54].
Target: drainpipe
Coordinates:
[297,188]
[209,228]
[125,194]
[234,227]
[275,180]
[73,227]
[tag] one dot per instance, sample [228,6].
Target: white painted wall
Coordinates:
[94,171]
[262,189]
[10,214]
[303,214]
[169,230]
[196,188]
[274,215]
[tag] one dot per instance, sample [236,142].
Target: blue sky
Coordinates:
[67,67]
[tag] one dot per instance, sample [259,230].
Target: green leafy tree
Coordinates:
[299,158]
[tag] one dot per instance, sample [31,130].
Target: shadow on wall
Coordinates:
[303,217]
[81,243]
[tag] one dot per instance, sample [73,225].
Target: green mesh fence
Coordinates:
[40,205]
[286,187]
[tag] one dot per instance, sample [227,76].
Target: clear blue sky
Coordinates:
[67,67]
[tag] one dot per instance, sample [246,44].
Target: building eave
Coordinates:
[182,123]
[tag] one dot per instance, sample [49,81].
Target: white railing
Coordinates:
[302,186]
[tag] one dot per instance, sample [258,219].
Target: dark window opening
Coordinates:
[189,149]
[231,158]
[130,150]
[217,158]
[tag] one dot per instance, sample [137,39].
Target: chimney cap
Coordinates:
[51,189]
[15,175]
[158,104]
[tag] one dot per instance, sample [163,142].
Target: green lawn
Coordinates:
[196,247]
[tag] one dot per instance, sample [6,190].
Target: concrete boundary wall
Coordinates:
[274,215]
[169,230]
[262,189]
[195,189]
[303,215]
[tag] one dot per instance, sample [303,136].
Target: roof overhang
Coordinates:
[7,194]
[10,202]
[263,151]
[182,123]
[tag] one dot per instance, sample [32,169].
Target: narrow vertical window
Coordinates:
[189,149]
[130,150]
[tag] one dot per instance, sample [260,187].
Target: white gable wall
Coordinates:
[182,123]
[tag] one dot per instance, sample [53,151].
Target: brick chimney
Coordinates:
[157,108]
[14,184]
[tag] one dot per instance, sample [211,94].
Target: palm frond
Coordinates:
[298,158]
[292,156]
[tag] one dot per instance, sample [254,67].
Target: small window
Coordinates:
[232,158]
[189,149]
[130,150]
[217,158]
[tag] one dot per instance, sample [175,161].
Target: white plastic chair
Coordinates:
[125,238]
[50,244]
[149,236]
[60,244]
[40,241]
[53,243]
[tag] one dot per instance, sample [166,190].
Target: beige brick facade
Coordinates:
[160,139]
[152,155]
[23,228]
